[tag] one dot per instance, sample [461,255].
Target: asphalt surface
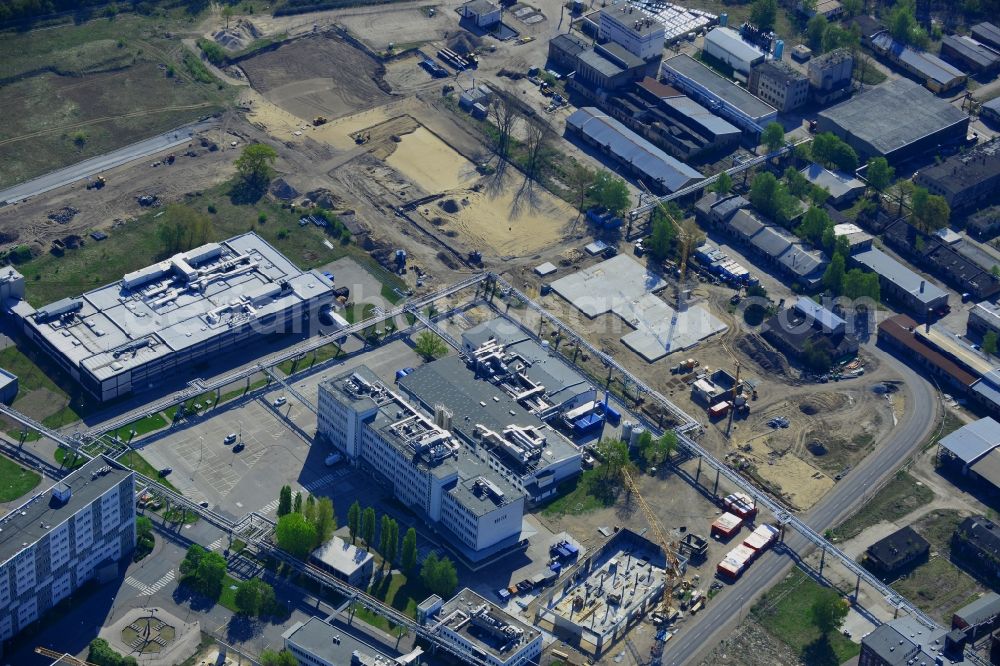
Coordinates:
[701,633]
[96,165]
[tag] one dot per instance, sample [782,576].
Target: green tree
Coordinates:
[254,597]
[828,613]
[392,543]
[282,658]
[615,455]
[207,577]
[189,565]
[143,526]
[610,192]
[354,520]
[830,151]
[773,136]
[930,211]
[309,510]
[368,526]
[880,174]
[904,26]
[326,520]
[836,37]
[723,184]
[763,14]
[580,179]
[852,7]
[814,224]
[297,504]
[661,239]
[296,535]
[815,30]
[182,228]
[833,278]
[990,343]
[383,538]
[429,345]
[256,165]
[102,654]
[770,196]
[816,356]
[439,575]
[285,501]
[409,551]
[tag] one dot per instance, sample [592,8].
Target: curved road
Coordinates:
[96,165]
[701,633]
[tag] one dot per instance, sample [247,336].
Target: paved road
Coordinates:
[96,165]
[701,633]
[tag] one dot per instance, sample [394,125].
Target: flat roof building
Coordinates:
[726,46]
[133,334]
[640,158]
[639,33]
[965,180]
[317,643]
[345,561]
[830,75]
[896,553]
[719,95]
[904,641]
[984,225]
[458,489]
[937,75]
[604,68]
[61,538]
[473,623]
[565,47]
[870,122]
[483,13]
[780,85]
[984,317]
[844,188]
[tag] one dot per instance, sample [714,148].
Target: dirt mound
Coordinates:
[822,403]
[464,42]
[238,36]
[450,206]
[280,189]
[325,199]
[769,360]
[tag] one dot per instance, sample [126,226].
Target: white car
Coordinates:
[280,401]
[230,438]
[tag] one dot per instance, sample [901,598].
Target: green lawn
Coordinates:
[133,460]
[898,498]
[938,588]
[324,353]
[588,492]
[785,612]
[142,427]
[228,597]
[397,591]
[231,395]
[51,403]
[68,459]
[15,481]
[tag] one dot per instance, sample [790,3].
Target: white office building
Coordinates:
[639,33]
[453,485]
[474,624]
[63,537]
[132,334]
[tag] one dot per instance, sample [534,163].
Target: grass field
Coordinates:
[41,393]
[133,460]
[785,611]
[68,459]
[397,591]
[67,88]
[938,587]
[586,493]
[15,481]
[898,498]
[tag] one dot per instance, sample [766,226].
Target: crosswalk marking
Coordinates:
[270,507]
[151,589]
[215,545]
[316,484]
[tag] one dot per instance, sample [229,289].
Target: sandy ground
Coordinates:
[430,163]
[801,483]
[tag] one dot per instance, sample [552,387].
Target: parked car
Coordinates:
[166,471]
[280,401]
[239,447]
[230,438]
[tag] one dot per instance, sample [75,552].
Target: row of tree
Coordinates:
[303,524]
[205,572]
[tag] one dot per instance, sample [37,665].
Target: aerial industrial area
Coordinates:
[278,388]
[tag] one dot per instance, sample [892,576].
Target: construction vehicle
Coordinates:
[97,183]
[547,90]
[319,120]
[673,569]
[61,657]
[169,159]
[362,138]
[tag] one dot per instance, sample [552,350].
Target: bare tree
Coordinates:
[538,147]
[506,112]
[580,178]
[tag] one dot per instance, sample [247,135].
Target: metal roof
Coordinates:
[836,183]
[971,442]
[987,32]
[827,319]
[806,264]
[687,67]
[630,148]
[873,116]
[906,280]
[333,645]
[699,114]
[771,242]
[746,223]
[341,556]
[980,54]
[926,64]
[980,610]
[730,41]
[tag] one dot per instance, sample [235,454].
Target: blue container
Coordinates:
[612,415]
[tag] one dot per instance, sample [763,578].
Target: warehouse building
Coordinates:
[843,188]
[564,49]
[672,121]
[80,529]
[872,125]
[459,490]
[640,34]
[780,85]
[830,76]
[988,34]
[726,46]
[979,618]
[719,95]
[476,625]
[965,180]
[901,284]
[150,326]
[897,553]
[966,52]
[636,156]
[605,68]
[898,332]
[937,75]
[779,248]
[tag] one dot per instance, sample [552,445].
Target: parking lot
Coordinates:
[277,443]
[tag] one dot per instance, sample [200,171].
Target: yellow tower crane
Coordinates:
[66,658]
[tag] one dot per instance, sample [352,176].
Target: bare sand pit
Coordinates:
[340,133]
[504,223]
[431,163]
[801,483]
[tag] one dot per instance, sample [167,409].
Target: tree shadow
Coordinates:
[820,653]
[184,593]
[242,628]
[243,192]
